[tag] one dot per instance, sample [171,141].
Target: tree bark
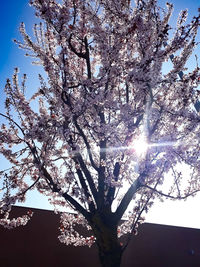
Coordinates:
[110,250]
[110,257]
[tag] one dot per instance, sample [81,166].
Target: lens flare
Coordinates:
[140,146]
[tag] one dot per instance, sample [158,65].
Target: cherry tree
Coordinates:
[107,128]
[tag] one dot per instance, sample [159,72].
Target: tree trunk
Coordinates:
[111,256]
[110,250]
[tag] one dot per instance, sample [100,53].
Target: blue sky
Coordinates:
[12,12]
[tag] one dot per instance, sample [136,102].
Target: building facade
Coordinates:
[37,245]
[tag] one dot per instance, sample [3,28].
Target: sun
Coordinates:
[140,146]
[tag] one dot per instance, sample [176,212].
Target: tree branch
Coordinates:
[87,57]
[67,197]
[112,189]
[170,196]
[86,143]
[85,188]
[88,176]
[127,198]
[79,54]
[101,172]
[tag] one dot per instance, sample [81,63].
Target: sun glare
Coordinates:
[140,146]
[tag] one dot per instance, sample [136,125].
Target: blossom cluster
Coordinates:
[15,222]
[69,234]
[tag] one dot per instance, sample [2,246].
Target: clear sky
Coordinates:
[12,12]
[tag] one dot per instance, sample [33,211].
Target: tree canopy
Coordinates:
[107,127]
